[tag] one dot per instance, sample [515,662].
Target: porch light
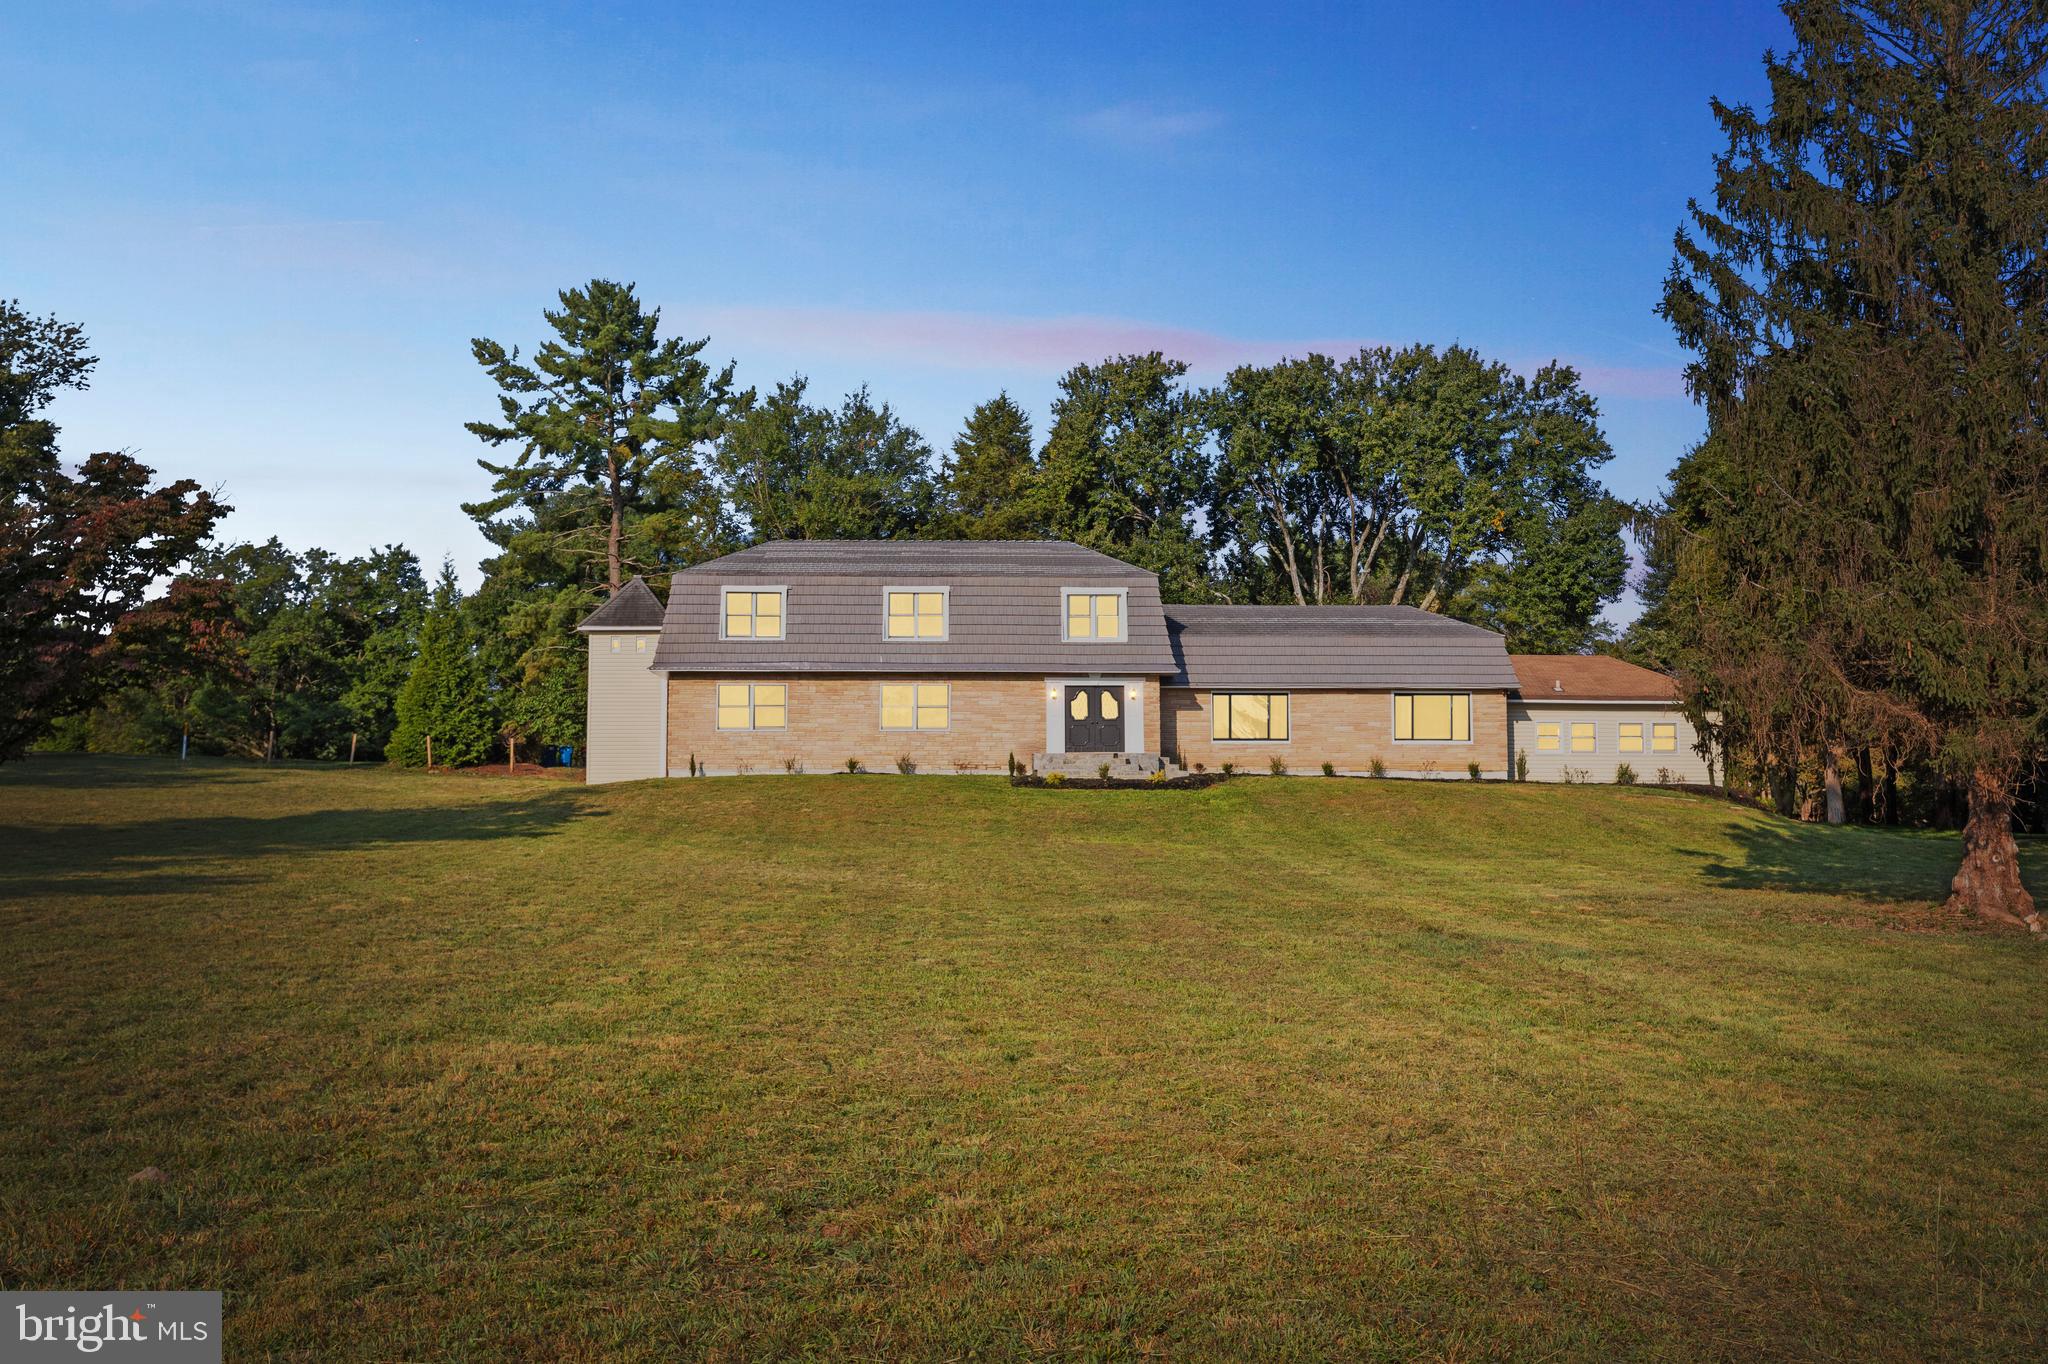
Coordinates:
[1053,692]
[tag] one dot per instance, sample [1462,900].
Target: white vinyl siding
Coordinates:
[626,718]
[1543,732]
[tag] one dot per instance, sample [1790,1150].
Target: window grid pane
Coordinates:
[1404,716]
[1080,620]
[1106,617]
[1278,707]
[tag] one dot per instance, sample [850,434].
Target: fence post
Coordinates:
[351,746]
[430,753]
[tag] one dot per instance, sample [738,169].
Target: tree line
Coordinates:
[1433,478]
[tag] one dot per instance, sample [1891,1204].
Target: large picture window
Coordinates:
[917,705]
[753,705]
[753,615]
[1244,715]
[1433,717]
[1095,615]
[916,614]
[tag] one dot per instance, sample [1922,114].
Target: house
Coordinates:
[958,656]
[1581,717]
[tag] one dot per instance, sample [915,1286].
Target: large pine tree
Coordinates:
[1868,301]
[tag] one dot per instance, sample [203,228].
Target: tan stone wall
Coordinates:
[1345,728]
[835,717]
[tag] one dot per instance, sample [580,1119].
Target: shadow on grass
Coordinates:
[148,857]
[85,772]
[1879,864]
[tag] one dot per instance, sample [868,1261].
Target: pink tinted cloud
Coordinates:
[951,340]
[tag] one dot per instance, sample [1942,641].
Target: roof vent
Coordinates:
[1557,686]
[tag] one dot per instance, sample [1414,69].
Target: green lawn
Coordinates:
[883,1067]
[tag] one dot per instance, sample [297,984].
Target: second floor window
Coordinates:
[753,615]
[1095,615]
[916,615]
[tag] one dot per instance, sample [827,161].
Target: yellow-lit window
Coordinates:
[917,615]
[1095,615]
[1547,735]
[1631,738]
[753,705]
[753,615]
[1248,715]
[916,705]
[1582,736]
[1664,737]
[1433,717]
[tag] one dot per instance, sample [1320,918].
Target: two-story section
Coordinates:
[947,656]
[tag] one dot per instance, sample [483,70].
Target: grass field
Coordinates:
[883,1067]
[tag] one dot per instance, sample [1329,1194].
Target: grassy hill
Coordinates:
[456,1067]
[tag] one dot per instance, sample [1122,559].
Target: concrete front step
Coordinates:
[1122,766]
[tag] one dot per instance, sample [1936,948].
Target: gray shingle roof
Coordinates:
[1332,647]
[1003,609]
[632,607]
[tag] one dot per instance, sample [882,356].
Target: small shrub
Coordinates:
[793,767]
[1228,769]
[1329,769]
[1472,771]
[904,765]
[1158,778]
[1277,766]
[1521,767]
[742,769]
[693,764]
[1055,779]
[1102,771]
[1573,776]
[853,765]
[1379,768]
[1624,775]
[1201,767]
[1664,776]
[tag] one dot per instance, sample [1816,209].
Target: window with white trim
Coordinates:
[917,705]
[915,613]
[1630,737]
[1442,717]
[751,614]
[1093,615]
[1548,736]
[753,705]
[1248,716]
[1583,740]
[1664,736]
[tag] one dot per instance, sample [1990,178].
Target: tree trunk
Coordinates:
[1988,882]
[1866,787]
[1891,787]
[1831,784]
[613,552]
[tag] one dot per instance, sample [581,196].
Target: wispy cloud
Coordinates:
[1137,126]
[981,341]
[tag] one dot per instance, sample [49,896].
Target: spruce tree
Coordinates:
[1868,553]
[987,483]
[444,695]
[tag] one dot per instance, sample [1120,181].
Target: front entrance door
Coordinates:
[1095,718]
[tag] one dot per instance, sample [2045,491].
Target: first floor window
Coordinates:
[917,705]
[1631,738]
[1664,737]
[753,615]
[1547,736]
[1582,736]
[753,705]
[1248,715]
[1433,717]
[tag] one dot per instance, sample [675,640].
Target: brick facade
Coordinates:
[1347,729]
[833,717]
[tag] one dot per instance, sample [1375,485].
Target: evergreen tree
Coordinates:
[607,406]
[1124,469]
[987,485]
[797,472]
[1865,299]
[443,698]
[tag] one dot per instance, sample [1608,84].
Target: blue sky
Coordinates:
[281,224]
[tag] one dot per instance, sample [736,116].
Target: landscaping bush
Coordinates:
[1624,775]
[1329,769]
[904,765]
[1102,771]
[1472,771]
[1521,767]
[1055,779]
[1379,769]
[1277,766]
[853,765]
